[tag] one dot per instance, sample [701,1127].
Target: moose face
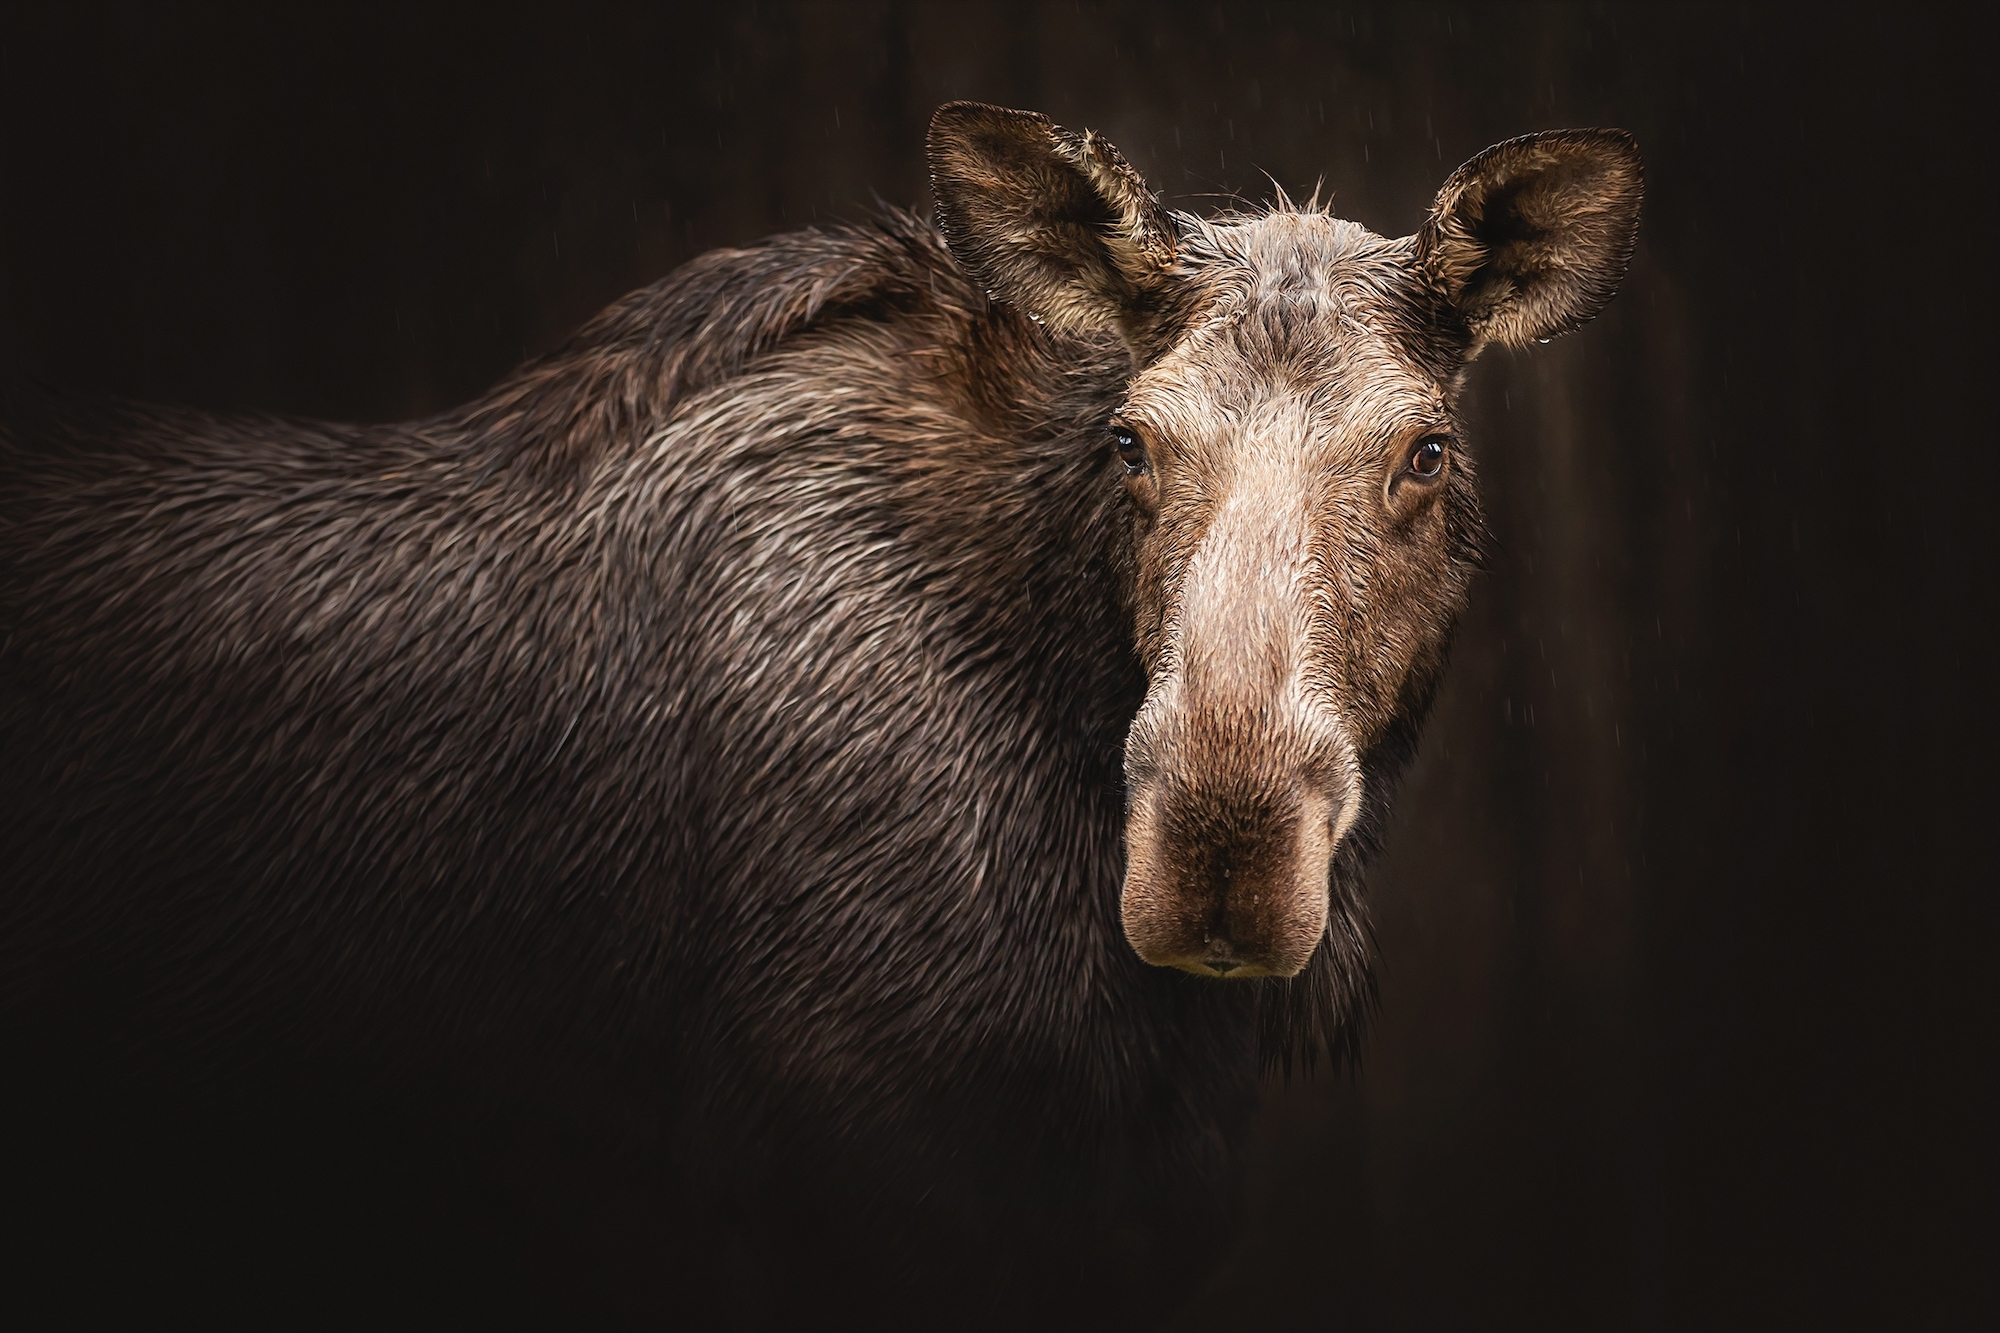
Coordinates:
[1302,516]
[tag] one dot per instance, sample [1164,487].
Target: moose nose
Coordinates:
[1228,884]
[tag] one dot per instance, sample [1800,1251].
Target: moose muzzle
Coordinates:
[1233,821]
[1241,774]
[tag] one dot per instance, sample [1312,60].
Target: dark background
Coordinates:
[1675,997]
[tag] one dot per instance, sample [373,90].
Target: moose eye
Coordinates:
[1131,452]
[1427,459]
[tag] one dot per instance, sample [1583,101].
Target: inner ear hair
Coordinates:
[1530,238]
[1049,219]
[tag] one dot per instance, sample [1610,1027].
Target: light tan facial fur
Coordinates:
[1292,581]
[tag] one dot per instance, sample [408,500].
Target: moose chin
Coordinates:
[788,746]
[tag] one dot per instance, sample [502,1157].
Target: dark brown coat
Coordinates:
[720,739]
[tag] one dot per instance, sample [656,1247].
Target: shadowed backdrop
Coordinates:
[1669,1026]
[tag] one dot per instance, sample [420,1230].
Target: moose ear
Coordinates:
[1051,220]
[1530,238]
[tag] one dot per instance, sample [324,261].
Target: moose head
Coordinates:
[1302,520]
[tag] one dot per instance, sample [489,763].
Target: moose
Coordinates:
[864,753]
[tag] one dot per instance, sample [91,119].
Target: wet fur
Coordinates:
[753,746]
[725,715]
[1294,582]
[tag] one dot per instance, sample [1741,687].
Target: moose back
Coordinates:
[867,747]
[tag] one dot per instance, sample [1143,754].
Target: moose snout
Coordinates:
[1229,883]
[1241,773]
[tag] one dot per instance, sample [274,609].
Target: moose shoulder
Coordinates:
[816,720]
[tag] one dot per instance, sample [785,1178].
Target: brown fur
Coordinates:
[728,738]
[1294,583]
